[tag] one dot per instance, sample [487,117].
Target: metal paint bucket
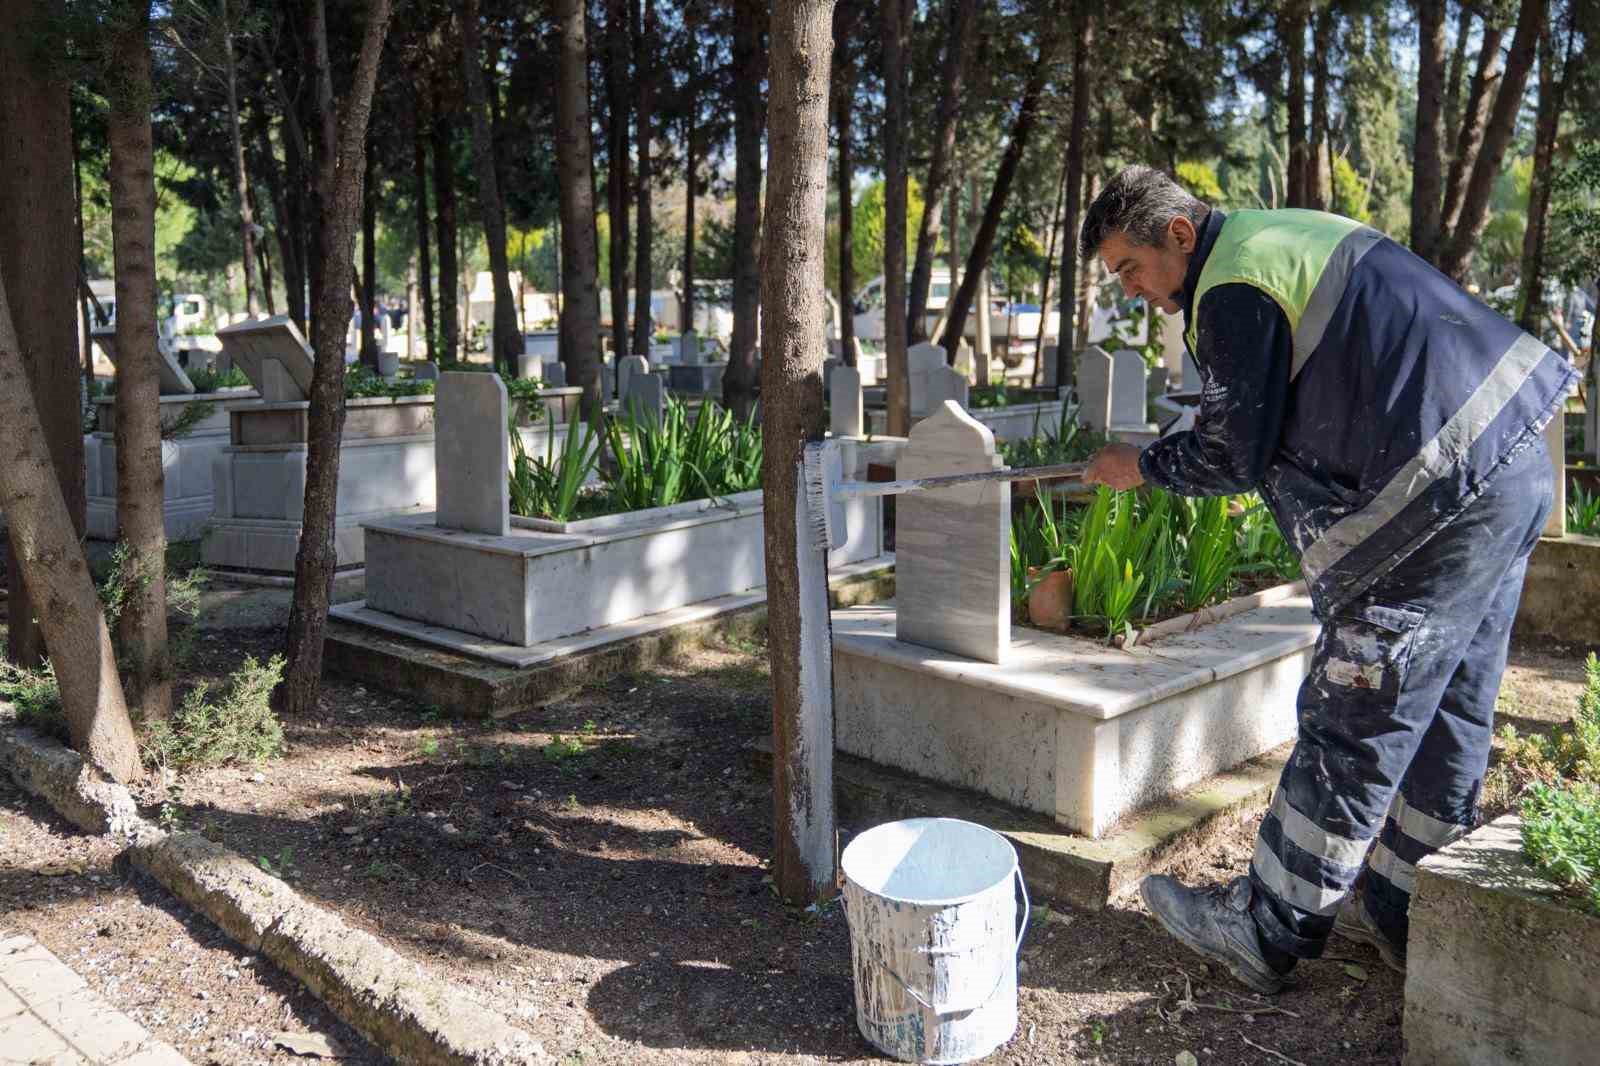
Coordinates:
[934,934]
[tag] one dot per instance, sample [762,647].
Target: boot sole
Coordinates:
[1360,934]
[1245,977]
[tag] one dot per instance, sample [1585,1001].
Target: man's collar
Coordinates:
[1197,261]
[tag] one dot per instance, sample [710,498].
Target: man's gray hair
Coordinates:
[1140,202]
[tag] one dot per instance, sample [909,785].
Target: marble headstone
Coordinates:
[471,453]
[921,360]
[1094,389]
[845,416]
[646,398]
[627,367]
[1129,380]
[952,546]
[273,355]
[553,373]
[689,350]
[173,380]
[426,372]
[947,383]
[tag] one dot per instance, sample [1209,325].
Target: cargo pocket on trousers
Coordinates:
[1368,648]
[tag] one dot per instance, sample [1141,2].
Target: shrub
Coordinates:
[1583,512]
[660,464]
[1561,837]
[237,726]
[360,383]
[1553,758]
[208,380]
[35,697]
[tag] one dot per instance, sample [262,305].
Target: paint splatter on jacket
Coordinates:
[1366,396]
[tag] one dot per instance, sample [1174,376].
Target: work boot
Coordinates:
[1354,923]
[1215,923]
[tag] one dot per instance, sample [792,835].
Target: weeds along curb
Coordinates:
[414,1018]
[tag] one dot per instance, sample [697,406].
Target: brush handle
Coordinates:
[857,489]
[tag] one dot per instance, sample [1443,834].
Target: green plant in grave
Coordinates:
[1262,546]
[1561,837]
[985,396]
[550,487]
[1210,550]
[1583,512]
[1119,553]
[658,464]
[208,380]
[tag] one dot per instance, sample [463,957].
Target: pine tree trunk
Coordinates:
[1469,135]
[241,177]
[1077,136]
[1427,166]
[1457,71]
[844,102]
[749,120]
[894,217]
[1085,295]
[644,73]
[142,625]
[1552,92]
[1456,254]
[962,15]
[983,240]
[617,191]
[340,168]
[1044,288]
[1292,37]
[36,249]
[791,379]
[580,265]
[1317,177]
[369,269]
[419,174]
[444,199]
[286,191]
[508,343]
[690,164]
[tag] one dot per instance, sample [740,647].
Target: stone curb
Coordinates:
[411,1016]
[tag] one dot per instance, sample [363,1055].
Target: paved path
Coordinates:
[49,1015]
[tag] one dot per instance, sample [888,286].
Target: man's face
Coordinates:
[1156,274]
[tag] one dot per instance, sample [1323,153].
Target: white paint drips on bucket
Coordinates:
[932,904]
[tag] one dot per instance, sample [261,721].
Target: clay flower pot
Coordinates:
[1050,602]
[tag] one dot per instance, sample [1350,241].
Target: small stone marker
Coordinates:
[530,365]
[254,346]
[952,546]
[1047,373]
[627,367]
[1129,380]
[174,382]
[689,352]
[845,417]
[1094,389]
[646,398]
[1158,381]
[921,360]
[554,374]
[427,372]
[947,383]
[472,453]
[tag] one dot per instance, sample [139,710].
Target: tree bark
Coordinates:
[1427,166]
[1085,295]
[1552,93]
[580,267]
[287,195]
[797,592]
[1457,253]
[1044,288]
[508,343]
[419,174]
[444,198]
[1292,37]
[369,269]
[1076,136]
[241,177]
[644,73]
[690,165]
[1469,135]
[894,217]
[749,120]
[341,166]
[141,522]
[36,249]
[844,101]
[617,191]
[50,558]
[983,240]
[1317,167]
[962,15]
[1457,71]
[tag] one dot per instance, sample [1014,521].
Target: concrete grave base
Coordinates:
[1069,727]
[1561,594]
[188,494]
[1057,865]
[1499,967]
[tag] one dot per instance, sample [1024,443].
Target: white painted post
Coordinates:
[1555,437]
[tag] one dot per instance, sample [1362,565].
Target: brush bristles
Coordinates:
[823,469]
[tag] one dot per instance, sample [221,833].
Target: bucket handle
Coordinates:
[946,1008]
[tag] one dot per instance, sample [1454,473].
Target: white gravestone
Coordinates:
[1094,389]
[426,372]
[273,355]
[472,453]
[1129,380]
[174,382]
[921,360]
[553,374]
[952,546]
[646,398]
[689,352]
[845,416]
[947,383]
[627,367]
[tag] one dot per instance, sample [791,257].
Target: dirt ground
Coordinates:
[595,870]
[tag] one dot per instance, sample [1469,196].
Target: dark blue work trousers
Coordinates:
[1396,716]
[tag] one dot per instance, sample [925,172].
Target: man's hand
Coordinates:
[1116,466]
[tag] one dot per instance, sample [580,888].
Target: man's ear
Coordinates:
[1183,234]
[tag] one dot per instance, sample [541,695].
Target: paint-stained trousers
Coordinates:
[1396,717]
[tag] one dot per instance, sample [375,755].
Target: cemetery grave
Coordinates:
[386,463]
